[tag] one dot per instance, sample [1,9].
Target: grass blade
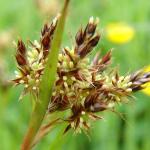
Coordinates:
[47,83]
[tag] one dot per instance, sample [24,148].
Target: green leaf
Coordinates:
[47,83]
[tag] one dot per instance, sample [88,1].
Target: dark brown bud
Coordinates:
[90,30]
[59,103]
[46,42]
[47,36]
[138,79]
[94,41]
[21,47]
[21,60]
[86,48]
[106,58]
[89,101]
[79,37]
[93,103]
[77,109]
[17,80]
[44,30]
[104,62]
[83,50]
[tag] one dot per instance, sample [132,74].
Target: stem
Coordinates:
[46,86]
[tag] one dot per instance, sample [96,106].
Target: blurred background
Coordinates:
[125,26]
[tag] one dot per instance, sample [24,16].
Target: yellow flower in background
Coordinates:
[147,89]
[119,33]
[147,85]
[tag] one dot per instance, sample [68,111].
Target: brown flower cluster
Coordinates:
[31,60]
[82,87]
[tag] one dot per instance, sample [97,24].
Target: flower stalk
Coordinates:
[46,82]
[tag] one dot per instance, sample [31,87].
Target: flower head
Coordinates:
[82,87]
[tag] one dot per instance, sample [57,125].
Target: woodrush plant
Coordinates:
[68,81]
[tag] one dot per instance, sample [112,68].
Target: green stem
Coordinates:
[47,83]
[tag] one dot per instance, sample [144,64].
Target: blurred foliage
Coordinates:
[24,19]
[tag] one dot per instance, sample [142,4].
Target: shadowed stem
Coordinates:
[46,86]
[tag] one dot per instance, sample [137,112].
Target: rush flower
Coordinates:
[83,87]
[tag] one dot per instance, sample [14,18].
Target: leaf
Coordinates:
[47,83]
[44,130]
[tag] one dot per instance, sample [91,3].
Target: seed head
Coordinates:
[83,87]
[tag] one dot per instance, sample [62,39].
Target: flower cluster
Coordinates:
[31,60]
[82,86]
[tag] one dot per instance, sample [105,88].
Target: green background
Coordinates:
[113,133]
